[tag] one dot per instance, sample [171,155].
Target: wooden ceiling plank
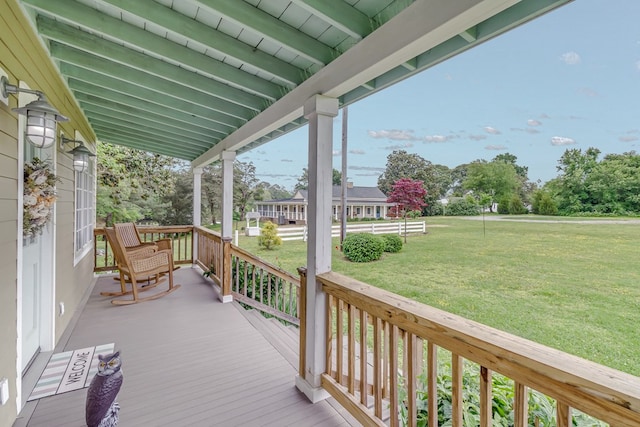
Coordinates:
[255,20]
[211,38]
[147,119]
[84,41]
[84,88]
[165,99]
[194,123]
[136,123]
[148,134]
[340,15]
[70,55]
[97,22]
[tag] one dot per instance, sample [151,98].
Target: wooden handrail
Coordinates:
[604,393]
[181,241]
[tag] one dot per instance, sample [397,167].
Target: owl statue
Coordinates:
[101,409]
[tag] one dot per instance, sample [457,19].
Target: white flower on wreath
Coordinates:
[39,196]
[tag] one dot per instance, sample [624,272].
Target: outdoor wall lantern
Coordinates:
[80,153]
[41,116]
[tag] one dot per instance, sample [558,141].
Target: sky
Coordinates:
[569,79]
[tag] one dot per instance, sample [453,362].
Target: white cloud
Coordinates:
[495,147]
[337,153]
[629,138]
[492,130]
[367,168]
[477,137]
[436,138]
[562,140]
[398,146]
[534,122]
[570,58]
[287,160]
[357,152]
[393,134]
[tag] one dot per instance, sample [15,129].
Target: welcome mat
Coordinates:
[69,371]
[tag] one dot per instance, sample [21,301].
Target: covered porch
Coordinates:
[188,359]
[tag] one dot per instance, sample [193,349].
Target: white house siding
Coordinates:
[23,58]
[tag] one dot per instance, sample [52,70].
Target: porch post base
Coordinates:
[314,394]
[225,298]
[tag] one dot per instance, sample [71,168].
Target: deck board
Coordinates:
[188,360]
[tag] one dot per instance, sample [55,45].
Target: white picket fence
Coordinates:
[373,227]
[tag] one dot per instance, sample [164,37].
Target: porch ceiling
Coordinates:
[191,78]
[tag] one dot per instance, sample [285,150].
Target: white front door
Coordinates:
[37,280]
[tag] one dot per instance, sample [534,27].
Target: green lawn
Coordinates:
[575,287]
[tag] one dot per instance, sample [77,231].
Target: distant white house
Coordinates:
[362,202]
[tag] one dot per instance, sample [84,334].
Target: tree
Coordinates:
[244,185]
[401,164]
[269,238]
[303,180]
[179,201]
[570,188]
[408,194]
[511,159]
[499,179]
[131,183]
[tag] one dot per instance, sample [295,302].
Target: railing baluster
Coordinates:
[412,361]
[563,414]
[486,409]
[520,405]
[377,368]
[363,357]
[351,348]
[457,367]
[339,341]
[432,383]
[393,375]
[385,360]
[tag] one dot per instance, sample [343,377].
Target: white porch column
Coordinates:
[197,207]
[319,110]
[227,193]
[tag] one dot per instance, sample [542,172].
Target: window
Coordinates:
[85,209]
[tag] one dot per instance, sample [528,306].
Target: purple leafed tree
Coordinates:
[408,195]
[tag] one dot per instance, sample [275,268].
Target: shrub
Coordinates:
[516,207]
[503,205]
[363,247]
[543,203]
[392,243]
[462,207]
[269,238]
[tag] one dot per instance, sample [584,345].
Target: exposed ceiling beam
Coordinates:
[267,26]
[95,21]
[68,55]
[88,89]
[148,119]
[340,15]
[156,96]
[164,149]
[418,28]
[136,123]
[211,38]
[66,35]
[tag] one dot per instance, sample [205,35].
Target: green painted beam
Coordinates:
[470,35]
[211,38]
[184,115]
[262,23]
[148,135]
[341,15]
[114,52]
[148,147]
[69,55]
[162,114]
[162,125]
[98,22]
[157,97]
[141,125]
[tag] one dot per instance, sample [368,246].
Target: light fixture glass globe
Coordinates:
[41,128]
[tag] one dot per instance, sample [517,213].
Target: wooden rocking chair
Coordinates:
[131,238]
[140,265]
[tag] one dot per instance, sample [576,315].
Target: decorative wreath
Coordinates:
[39,196]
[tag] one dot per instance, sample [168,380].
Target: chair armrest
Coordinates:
[163,244]
[142,251]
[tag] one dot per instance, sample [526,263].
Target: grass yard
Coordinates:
[572,286]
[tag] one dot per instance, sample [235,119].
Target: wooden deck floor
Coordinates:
[188,360]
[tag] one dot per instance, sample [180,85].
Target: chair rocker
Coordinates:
[137,266]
